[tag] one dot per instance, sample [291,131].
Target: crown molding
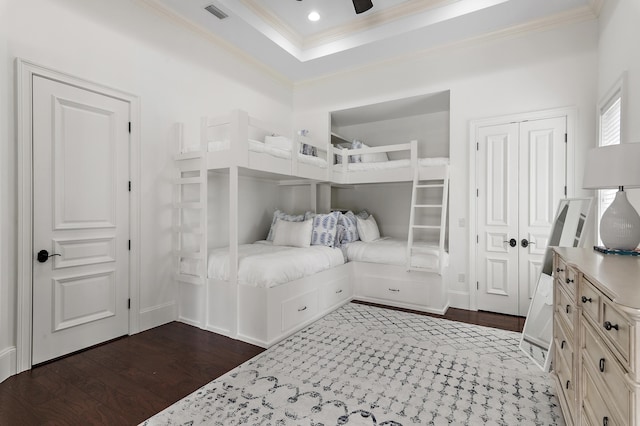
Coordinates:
[570,17]
[162,10]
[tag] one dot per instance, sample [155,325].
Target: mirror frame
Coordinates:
[546,366]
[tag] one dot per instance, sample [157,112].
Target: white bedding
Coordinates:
[391,251]
[395,164]
[264,265]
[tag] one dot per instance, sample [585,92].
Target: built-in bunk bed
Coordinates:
[236,291]
[261,292]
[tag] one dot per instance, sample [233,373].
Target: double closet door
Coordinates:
[521,177]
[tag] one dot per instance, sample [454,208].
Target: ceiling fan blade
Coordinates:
[362,5]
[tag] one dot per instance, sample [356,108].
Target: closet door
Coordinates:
[521,176]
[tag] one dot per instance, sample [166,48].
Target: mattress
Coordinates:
[392,251]
[395,164]
[264,265]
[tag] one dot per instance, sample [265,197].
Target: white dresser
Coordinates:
[596,330]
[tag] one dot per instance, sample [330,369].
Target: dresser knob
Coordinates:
[559,270]
[605,421]
[562,344]
[586,299]
[567,385]
[608,326]
[395,290]
[602,365]
[570,280]
[568,307]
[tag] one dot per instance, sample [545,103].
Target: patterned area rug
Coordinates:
[363,365]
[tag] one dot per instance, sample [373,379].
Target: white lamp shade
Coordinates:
[612,166]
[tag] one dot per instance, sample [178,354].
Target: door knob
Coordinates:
[524,243]
[512,242]
[43,255]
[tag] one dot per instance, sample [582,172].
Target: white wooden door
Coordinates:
[521,177]
[81,217]
[542,184]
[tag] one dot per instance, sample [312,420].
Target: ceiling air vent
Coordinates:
[216,12]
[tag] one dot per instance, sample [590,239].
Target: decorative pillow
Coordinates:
[325,227]
[376,157]
[356,144]
[347,228]
[368,229]
[363,214]
[307,149]
[283,216]
[295,234]
[279,142]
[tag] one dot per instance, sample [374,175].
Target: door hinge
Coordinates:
[129,186]
[477,192]
[566,138]
[129,244]
[477,146]
[477,239]
[477,285]
[128,303]
[129,127]
[565,190]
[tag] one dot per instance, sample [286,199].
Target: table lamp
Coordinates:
[616,166]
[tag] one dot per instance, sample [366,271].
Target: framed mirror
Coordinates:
[568,230]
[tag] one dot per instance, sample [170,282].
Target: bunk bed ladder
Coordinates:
[190,218]
[421,187]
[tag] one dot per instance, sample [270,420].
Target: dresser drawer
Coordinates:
[594,408]
[616,329]
[563,345]
[566,311]
[590,300]
[566,277]
[567,384]
[602,363]
[299,309]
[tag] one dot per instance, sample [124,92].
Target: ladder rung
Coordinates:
[189,181]
[415,268]
[427,206]
[435,185]
[191,279]
[421,249]
[196,205]
[189,155]
[189,255]
[427,226]
[188,230]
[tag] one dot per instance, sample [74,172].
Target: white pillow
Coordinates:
[367,229]
[376,157]
[279,142]
[295,234]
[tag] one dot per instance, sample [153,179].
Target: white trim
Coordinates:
[7,363]
[571,114]
[459,299]
[25,70]
[159,314]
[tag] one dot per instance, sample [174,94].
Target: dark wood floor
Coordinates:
[128,380]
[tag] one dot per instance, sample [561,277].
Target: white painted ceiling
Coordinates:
[278,33]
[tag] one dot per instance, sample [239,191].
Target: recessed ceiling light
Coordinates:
[314,16]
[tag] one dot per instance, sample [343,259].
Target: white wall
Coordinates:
[430,130]
[178,75]
[618,52]
[530,72]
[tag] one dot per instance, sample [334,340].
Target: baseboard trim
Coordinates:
[157,315]
[459,299]
[7,363]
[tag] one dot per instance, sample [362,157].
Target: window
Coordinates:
[610,134]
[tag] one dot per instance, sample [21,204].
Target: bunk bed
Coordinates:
[263,313]
[238,139]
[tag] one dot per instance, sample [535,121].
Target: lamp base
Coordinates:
[620,224]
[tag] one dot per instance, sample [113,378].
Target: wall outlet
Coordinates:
[461,278]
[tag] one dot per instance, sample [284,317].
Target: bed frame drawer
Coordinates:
[299,309]
[336,291]
[405,292]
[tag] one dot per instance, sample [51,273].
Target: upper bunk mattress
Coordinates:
[395,164]
[264,265]
[392,251]
[273,150]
